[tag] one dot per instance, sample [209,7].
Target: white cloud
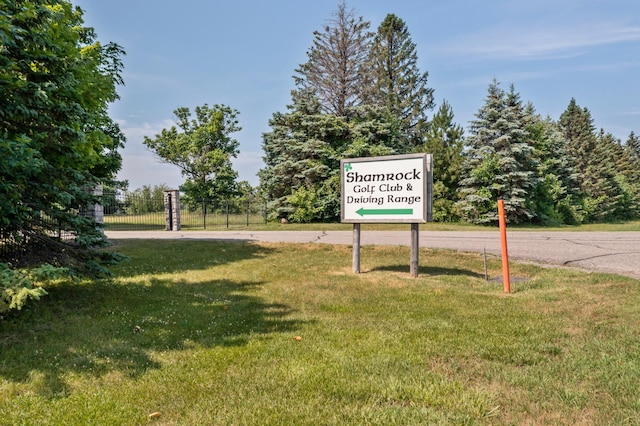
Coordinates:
[135,133]
[140,166]
[142,170]
[541,43]
[249,158]
[247,165]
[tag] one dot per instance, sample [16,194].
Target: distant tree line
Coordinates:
[361,94]
[548,171]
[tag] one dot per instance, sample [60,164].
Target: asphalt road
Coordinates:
[613,252]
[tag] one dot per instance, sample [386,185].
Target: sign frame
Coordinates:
[393,171]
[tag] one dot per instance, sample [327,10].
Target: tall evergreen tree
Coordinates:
[633,145]
[328,120]
[334,71]
[396,81]
[557,198]
[620,154]
[600,180]
[499,161]
[595,159]
[577,126]
[302,156]
[622,176]
[445,140]
[631,154]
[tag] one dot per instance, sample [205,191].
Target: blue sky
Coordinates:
[243,53]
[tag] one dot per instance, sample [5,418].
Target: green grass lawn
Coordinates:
[233,333]
[156,221]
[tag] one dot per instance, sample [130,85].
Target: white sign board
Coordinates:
[392,189]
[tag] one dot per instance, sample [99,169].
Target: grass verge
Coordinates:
[156,221]
[206,332]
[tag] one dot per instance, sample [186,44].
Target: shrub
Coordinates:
[17,286]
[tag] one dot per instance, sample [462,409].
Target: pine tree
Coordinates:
[633,145]
[577,126]
[600,180]
[396,82]
[299,151]
[595,159]
[626,177]
[328,120]
[557,196]
[631,155]
[303,152]
[632,151]
[499,162]
[444,139]
[334,71]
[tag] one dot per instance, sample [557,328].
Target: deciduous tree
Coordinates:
[202,147]
[57,140]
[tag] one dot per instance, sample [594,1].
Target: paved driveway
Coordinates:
[615,252]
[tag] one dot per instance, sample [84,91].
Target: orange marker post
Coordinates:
[503,240]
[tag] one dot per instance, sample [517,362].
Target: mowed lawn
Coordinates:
[235,333]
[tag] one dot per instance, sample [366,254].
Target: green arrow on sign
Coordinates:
[362,211]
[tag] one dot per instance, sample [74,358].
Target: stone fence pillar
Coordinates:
[94,211]
[172,210]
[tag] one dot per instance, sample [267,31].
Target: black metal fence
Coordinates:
[13,243]
[140,210]
[134,211]
[11,247]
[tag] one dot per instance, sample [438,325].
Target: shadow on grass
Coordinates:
[429,270]
[100,328]
[173,256]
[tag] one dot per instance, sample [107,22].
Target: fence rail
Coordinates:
[13,244]
[10,247]
[133,212]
